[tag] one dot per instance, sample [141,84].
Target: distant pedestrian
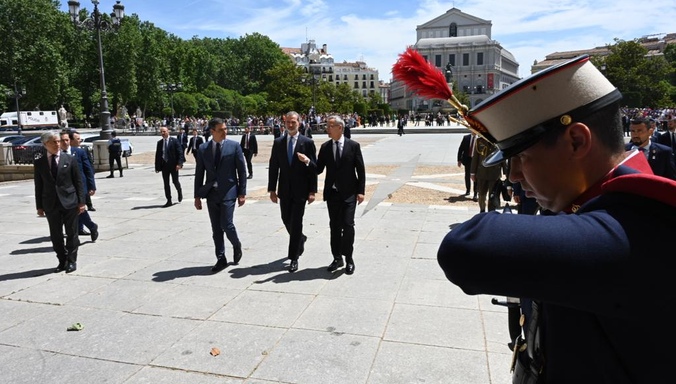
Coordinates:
[114,154]
[250,148]
[465,153]
[195,142]
[168,160]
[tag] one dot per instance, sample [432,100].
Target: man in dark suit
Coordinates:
[223,162]
[344,187]
[195,142]
[168,160]
[297,183]
[249,147]
[660,157]
[182,138]
[88,183]
[465,159]
[668,137]
[114,154]
[59,195]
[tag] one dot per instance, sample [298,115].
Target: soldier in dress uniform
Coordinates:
[593,263]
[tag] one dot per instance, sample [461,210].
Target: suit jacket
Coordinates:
[665,139]
[296,179]
[350,176]
[182,138]
[253,144]
[86,169]
[482,149]
[229,173]
[192,144]
[464,155]
[67,187]
[175,154]
[660,158]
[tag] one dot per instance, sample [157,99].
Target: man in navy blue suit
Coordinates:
[297,183]
[88,183]
[223,163]
[660,157]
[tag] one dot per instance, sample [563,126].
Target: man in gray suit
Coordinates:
[59,195]
[223,163]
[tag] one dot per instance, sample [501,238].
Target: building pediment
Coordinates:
[454,15]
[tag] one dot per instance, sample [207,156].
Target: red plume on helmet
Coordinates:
[429,82]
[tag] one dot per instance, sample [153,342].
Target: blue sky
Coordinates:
[376,31]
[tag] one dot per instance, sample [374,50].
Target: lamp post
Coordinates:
[171,88]
[315,69]
[17,94]
[96,22]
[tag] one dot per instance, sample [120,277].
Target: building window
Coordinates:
[425,57]
[363,77]
[330,78]
[451,59]
[479,58]
[465,59]
[372,85]
[437,61]
[453,30]
[345,77]
[479,89]
[363,85]
[356,85]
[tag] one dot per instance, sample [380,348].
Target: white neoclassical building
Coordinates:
[461,46]
[359,76]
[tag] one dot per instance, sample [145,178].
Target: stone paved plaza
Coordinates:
[152,311]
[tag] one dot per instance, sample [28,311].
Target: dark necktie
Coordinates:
[165,151]
[337,153]
[217,155]
[246,142]
[55,168]
[289,151]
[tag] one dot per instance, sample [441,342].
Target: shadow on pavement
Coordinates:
[260,269]
[32,250]
[300,275]
[181,273]
[148,207]
[26,274]
[36,240]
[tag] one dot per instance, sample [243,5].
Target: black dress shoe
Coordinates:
[167,204]
[60,268]
[84,233]
[250,177]
[220,265]
[95,233]
[91,209]
[301,249]
[180,195]
[293,267]
[466,193]
[349,268]
[72,267]
[335,264]
[110,176]
[237,255]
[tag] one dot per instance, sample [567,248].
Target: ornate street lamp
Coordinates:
[315,69]
[170,89]
[16,95]
[96,22]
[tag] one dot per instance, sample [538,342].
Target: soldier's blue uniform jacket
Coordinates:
[596,271]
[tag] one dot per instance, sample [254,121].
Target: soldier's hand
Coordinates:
[310,198]
[273,196]
[198,203]
[241,200]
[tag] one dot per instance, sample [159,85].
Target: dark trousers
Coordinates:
[84,220]
[221,214]
[57,220]
[88,201]
[341,223]
[111,162]
[293,210]
[173,172]
[468,179]
[248,155]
